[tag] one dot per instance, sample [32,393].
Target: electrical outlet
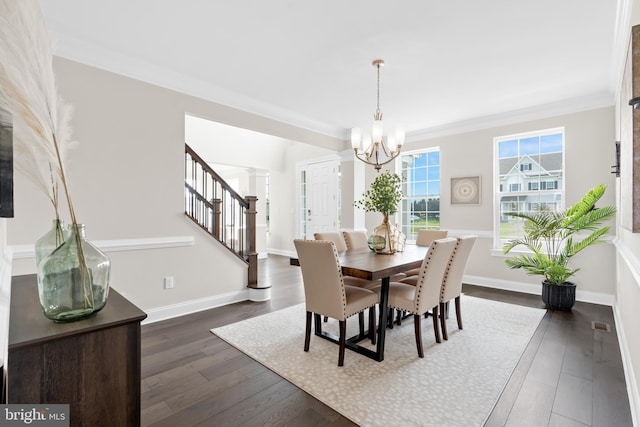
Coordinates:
[168,282]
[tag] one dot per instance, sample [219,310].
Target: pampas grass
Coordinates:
[29,100]
[28,93]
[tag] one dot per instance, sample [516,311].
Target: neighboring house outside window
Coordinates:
[420,207]
[529,178]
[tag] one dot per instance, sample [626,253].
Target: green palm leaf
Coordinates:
[549,237]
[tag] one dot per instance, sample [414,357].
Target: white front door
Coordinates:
[321,197]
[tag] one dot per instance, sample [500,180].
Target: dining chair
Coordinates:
[341,246]
[425,295]
[339,239]
[424,238]
[452,281]
[334,236]
[326,293]
[355,240]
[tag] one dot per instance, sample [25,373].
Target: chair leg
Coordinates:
[342,340]
[390,319]
[307,332]
[436,329]
[372,324]
[458,313]
[417,326]
[443,321]
[399,317]
[361,323]
[317,321]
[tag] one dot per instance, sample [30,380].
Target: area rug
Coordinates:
[456,384]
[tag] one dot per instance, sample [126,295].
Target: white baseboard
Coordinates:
[528,288]
[290,254]
[188,307]
[629,375]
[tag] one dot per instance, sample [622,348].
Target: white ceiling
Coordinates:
[309,62]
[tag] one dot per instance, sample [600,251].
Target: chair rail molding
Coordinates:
[120,245]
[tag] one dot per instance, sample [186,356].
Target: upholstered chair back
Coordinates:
[425,237]
[452,282]
[355,240]
[322,276]
[432,273]
[332,236]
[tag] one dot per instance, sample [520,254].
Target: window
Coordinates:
[420,206]
[533,161]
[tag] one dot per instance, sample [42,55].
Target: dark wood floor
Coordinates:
[569,375]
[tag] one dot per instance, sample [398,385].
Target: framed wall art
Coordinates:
[465,191]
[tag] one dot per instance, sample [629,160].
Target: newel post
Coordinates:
[252,255]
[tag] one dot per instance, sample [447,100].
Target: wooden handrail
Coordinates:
[219,210]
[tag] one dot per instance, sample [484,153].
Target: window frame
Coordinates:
[542,181]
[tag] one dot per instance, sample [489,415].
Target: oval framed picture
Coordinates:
[465,191]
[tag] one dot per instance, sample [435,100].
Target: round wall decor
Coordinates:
[465,190]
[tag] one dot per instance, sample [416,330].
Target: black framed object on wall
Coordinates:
[6,171]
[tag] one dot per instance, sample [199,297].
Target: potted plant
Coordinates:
[550,238]
[383,196]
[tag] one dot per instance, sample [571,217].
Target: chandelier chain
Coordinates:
[378,96]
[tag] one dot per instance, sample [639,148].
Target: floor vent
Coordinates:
[599,326]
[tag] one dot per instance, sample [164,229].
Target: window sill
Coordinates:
[498,253]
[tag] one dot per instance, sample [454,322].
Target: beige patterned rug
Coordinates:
[456,384]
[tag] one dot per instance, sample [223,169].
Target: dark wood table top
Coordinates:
[371,266]
[28,325]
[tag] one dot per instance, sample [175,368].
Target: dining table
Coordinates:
[369,265]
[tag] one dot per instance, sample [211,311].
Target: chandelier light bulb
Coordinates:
[356,138]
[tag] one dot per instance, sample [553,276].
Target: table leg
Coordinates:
[351,343]
[382,324]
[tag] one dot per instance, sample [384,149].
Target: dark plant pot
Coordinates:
[559,297]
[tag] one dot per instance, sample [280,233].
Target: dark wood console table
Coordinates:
[92,364]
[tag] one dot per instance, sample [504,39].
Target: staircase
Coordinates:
[228,217]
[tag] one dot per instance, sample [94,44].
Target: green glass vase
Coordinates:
[390,233]
[74,278]
[50,241]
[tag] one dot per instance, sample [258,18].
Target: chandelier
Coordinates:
[379,150]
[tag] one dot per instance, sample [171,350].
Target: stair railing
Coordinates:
[216,207]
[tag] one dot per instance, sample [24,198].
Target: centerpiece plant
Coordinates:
[551,240]
[384,196]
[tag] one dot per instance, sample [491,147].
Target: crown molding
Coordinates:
[568,106]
